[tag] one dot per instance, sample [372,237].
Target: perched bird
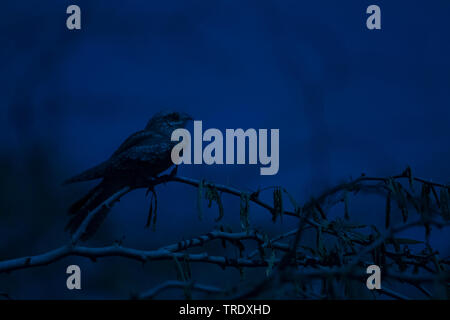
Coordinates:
[145,153]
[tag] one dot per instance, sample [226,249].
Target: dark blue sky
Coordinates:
[346,100]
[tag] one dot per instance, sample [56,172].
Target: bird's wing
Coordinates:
[133,140]
[108,166]
[154,152]
[150,152]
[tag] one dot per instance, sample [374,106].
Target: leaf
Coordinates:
[199,199]
[244,211]
[425,198]
[346,214]
[322,213]
[152,209]
[413,201]
[255,195]
[184,274]
[339,253]
[183,268]
[390,185]
[271,263]
[396,190]
[179,270]
[445,203]
[408,174]
[401,201]
[388,210]
[211,194]
[150,213]
[277,204]
[292,200]
[187,267]
[377,232]
[224,243]
[395,243]
[319,242]
[240,247]
[220,206]
[378,254]
[435,195]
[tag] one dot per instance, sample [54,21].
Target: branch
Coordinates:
[152,182]
[200,240]
[165,253]
[116,251]
[351,270]
[390,233]
[310,215]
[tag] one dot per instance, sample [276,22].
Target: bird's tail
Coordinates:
[93,173]
[93,199]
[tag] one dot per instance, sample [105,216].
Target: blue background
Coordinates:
[346,99]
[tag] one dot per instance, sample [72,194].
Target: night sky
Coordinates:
[346,100]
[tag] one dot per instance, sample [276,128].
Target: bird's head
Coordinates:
[168,121]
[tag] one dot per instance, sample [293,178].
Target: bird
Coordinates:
[145,153]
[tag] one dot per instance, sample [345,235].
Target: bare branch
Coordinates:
[290,262]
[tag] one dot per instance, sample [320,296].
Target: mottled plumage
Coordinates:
[145,153]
